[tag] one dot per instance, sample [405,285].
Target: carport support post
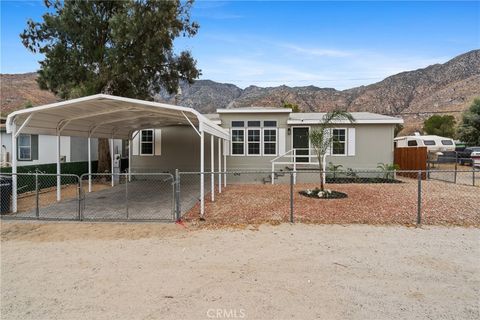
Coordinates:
[224,164]
[59,185]
[89,165]
[14,167]
[112,159]
[202,176]
[130,160]
[219,165]
[212,167]
[177,194]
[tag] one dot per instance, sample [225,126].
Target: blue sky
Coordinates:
[327,44]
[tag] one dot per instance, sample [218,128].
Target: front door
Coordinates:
[300,143]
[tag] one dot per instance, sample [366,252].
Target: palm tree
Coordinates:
[322,139]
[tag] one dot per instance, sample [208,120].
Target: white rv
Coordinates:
[433,143]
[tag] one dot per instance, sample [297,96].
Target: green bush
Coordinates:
[26,183]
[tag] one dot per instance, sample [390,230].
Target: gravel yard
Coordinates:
[165,271]
[442,204]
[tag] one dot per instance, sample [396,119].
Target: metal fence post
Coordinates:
[177,194]
[37,196]
[291,195]
[419,198]
[126,194]
[456,164]
[79,197]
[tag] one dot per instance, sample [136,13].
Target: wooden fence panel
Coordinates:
[411,158]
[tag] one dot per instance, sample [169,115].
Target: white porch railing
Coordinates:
[290,158]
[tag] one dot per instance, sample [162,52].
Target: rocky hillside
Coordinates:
[21,90]
[414,95]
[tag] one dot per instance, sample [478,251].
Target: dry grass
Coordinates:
[442,204]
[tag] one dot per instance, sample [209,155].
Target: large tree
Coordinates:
[123,48]
[469,130]
[441,125]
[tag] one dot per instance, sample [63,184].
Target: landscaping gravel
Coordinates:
[442,204]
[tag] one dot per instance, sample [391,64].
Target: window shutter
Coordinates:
[34,146]
[351,141]
[327,133]
[281,141]
[226,147]
[158,141]
[135,144]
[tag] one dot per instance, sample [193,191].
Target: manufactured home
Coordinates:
[262,138]
[164,138]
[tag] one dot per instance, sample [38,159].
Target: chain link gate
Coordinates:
[127,196]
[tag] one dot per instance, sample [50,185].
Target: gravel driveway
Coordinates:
[153,271]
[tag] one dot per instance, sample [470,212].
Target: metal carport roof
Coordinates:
[106,116]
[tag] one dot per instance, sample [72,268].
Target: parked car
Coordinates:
[465,156]
[475,155]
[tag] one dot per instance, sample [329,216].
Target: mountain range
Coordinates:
[447,88]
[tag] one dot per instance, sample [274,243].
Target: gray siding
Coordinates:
[79,149]
[181,148]
[252,162]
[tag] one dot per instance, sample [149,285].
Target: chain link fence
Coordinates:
[135,196]
[138,196]
[250,197]
[37,196]
[367,196]
[454,169]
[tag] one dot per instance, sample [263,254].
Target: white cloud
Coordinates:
[318,52]
[340,72]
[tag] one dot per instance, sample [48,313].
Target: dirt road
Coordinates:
[154,271]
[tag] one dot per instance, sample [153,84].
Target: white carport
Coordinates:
[112,117]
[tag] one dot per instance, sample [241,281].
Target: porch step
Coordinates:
[268,179]
[303,166]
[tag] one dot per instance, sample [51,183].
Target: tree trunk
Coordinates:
[104,160]
[320,163]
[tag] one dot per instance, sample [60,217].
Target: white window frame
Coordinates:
[19,147]
[345,142]
[260,142]
[232,142]
[142,142]
[263,141]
